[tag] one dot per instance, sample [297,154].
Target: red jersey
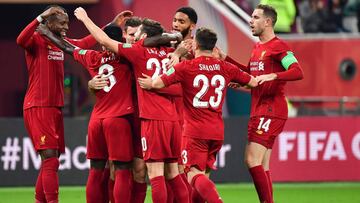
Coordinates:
[268,99]
[204,81]
[45,64]
[115,99]
[150,61]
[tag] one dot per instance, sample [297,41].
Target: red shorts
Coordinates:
[160,140]
[136,136]
[264,129]
[110,138]
[45,126]
[200,153]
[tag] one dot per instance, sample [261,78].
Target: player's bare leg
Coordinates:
[203,185]
[254,156]
[94,185]
[266,165]
[139,185]
[47,184]
[123,181]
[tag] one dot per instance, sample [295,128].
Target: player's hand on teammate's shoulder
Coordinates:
[97,82]
[145,82]
[218,53]
[51,11]
[174,59]
[122,17]
[265,78]
[80,14]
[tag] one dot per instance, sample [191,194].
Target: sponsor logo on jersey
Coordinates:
[261,66]
[56,55]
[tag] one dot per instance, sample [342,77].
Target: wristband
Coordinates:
[39,19]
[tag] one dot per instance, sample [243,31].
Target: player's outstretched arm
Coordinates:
[95,31]
[163,39]
[25,37]
[64,45]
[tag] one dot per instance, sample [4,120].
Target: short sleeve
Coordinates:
[174,74]
[131,51]
[88,58]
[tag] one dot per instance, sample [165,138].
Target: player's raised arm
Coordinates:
[25,37]
[64,45]
[95,31]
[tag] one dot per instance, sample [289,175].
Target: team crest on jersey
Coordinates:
[259,132]
[127,45]
[262,55]
[42,139]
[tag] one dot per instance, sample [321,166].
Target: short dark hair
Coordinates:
[269,12]
[151,27]
[54,17]
[114,32]
[206,38]
[55,5]
[132,22]
[190,12]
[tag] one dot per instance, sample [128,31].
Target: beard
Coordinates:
[185,32]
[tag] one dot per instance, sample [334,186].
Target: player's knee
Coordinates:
[97,163]
[48,153]
[251,161]
[120,165]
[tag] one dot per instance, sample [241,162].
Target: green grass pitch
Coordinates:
[230,193]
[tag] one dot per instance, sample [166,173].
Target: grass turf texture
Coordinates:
[231,193]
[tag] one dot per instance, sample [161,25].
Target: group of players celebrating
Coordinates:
[158,109]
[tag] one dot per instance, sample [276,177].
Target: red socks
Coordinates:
[170,192]
[195,197]
[268,175]
[94,191]
[50,181]
[189,187]
[261,183]
[179,189]
[39,190]
[206,188]
[138,192]
[105,182]
[158,189]
[111,185]
[123,185]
